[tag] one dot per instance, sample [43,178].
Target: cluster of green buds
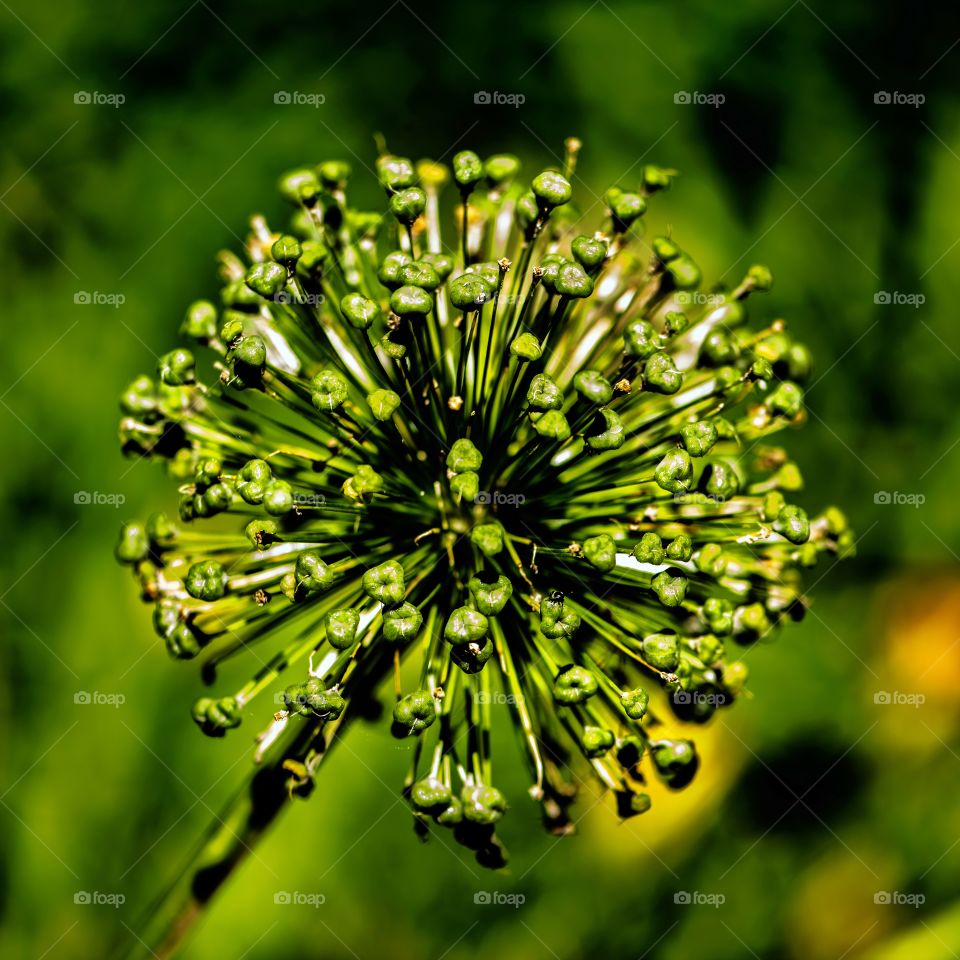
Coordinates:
[525,477]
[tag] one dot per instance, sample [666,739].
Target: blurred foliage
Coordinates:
[814,798]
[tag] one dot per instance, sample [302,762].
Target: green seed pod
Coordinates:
[793,524]
[662,651]
[635,703]
[674,473]
[490,598]
[402,623]
[718,349]
[661,375]
[261,533]
[418,273]
[553,425]
[206,580]
[359,311]
[411,301]
[590,252]
[467,170]
[465,626]
[527,214]
[574,685]
[325,704]
[385,583]
[680,548]
[720,481]
[649,549]
[250,352]
[699,437]
[544,394]
[466,486]
[596,741]
[395,173]
[711,560]
[471,657]
[383,404]
[469,291]
[299,183]
[390,266]
[295,698]
[670,586]
[624,208]
[334,173]
[593,386]
[500,168]
[606,431]
[786,400]
[551,190]
[415,712]
[266,278]
[573,281]
[601,552]
[133,545]
[641,340]
[773,503]
[676,761]
[430,794]
[526,347]
[684,273]
[657,178]
[328,390]
[407,205]
[278,498]
[488,538]
[176,368]
[312,574]
[452,815]
[563,627]
[140,397]
[286,250]
[760,277]
[340,627]
[735,676]
[442,264]
[161,531]
[630,804]
[483,804]
[200,322]
[675,323]
[463,456]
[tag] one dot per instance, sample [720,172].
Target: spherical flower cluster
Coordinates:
[522,478]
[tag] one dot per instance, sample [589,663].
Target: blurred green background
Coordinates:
[814,799]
